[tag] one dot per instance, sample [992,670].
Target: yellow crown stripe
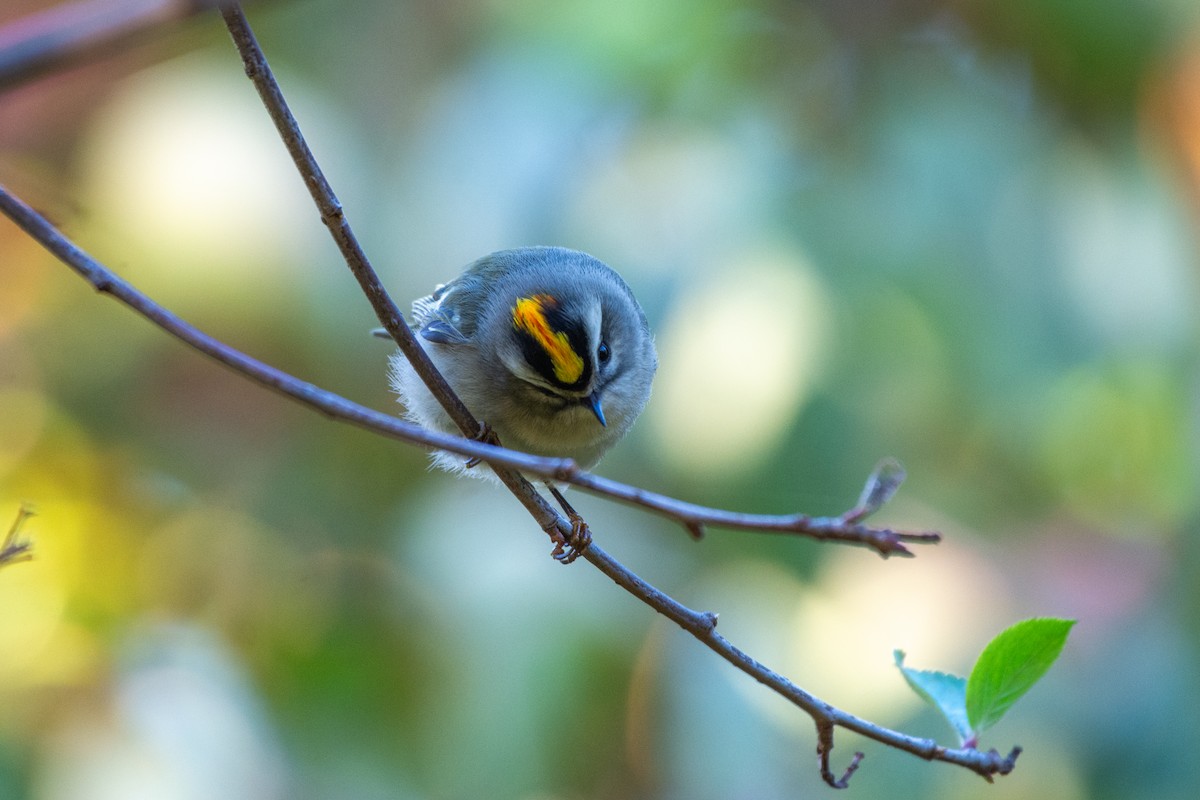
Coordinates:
[529,315]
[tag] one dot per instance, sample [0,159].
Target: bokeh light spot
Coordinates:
[738,357]
[184,172]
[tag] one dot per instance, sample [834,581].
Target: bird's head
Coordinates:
[562,348]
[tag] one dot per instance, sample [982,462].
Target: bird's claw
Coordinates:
[485,435]
[567,549]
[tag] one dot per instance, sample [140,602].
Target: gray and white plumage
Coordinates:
[546,345]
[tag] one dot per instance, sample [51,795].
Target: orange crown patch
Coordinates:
[529,315]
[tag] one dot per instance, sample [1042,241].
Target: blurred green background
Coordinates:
[963,234]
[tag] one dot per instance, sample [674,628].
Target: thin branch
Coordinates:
[702,625]
[72,32]
[694,517]
[882,484]
[505,462]
[332,215]
[824,748]
[334,218]
[337,407]
[334,406]
[15,549]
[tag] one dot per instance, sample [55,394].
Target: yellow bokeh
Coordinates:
[738,359]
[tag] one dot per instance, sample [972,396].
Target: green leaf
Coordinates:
[1010,665]
[946,693]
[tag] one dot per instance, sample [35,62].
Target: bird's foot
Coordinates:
[487,436]
[567,549]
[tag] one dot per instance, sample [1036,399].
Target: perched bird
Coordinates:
[546,345]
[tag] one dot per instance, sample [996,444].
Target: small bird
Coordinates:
[547,346]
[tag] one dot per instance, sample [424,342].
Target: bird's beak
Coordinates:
[592,401]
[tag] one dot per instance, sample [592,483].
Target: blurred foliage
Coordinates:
[960,234]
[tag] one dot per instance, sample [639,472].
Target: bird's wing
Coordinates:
[450,314]
[434,318]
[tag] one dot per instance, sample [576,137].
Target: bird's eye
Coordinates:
[603,354]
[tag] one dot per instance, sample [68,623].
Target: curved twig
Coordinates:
[335,406]
[510,464]
[692,516]
[696,517]
[15,549]
[824,748]
[702,625]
